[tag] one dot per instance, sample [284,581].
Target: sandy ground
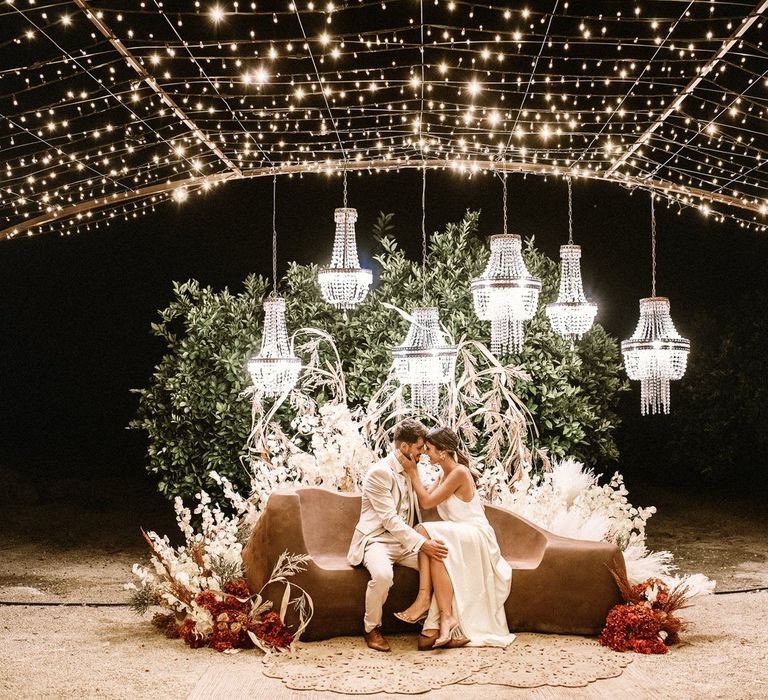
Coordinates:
[72,545]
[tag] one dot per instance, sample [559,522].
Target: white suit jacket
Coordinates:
[385,486]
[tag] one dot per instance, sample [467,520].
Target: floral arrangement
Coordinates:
[645,623]
[200,583]
[329,448]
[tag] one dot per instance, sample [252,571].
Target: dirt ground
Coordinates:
[72,543]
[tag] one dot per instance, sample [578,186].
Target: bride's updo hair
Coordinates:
[445,439]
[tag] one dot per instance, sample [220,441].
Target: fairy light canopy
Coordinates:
[109,109]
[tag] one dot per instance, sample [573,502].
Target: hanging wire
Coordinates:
[345,252]
[421,84]
[653,249]
[274,234]
[504,186]
[424,230]
[570,212]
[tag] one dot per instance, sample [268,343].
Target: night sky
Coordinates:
[76,310]
[75,313]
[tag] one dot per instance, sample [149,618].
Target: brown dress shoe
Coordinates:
[426,642]
[375,640]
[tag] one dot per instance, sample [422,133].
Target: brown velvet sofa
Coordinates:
[558,584]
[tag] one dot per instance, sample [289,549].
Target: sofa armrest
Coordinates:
[520,541]
[577,566]
[278,530]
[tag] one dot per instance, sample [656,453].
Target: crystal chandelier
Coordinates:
[343,283]
[656,353]
[424,360]
[571,316]
[506,294]
[275,370]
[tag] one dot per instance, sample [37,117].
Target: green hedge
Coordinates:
[197,419]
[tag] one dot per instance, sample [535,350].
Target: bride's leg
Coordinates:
[424,596]
[441,580]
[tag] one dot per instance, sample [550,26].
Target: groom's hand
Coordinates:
[435,549]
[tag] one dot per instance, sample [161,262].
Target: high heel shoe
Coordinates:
[442,641]
[427,642]
[412,620]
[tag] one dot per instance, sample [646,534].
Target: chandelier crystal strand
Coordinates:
[656,353]
[571,316]
[343,283]
[424,360]
[275,369]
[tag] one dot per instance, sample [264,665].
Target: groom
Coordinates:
[384,535]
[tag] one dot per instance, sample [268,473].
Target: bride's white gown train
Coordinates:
[481,577]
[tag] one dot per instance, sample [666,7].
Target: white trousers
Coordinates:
[379,559]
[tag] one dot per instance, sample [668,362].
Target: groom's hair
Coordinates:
[410,430]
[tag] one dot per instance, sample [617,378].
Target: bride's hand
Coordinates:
[408,463]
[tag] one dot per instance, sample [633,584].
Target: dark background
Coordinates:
[76,310]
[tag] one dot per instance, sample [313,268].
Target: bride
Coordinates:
[472,583]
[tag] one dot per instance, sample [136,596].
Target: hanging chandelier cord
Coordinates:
[345,254]
[424,231]
[274,234]
[653,249]
[423,160]
[570,212]
[504,186]
[421,84]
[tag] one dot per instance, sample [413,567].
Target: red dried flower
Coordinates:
[272,631]
[188,632]
[210,601]
[633,627]
[237,587]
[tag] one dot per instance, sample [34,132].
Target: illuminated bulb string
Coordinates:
[343,125]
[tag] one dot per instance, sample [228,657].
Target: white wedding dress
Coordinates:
[481,577]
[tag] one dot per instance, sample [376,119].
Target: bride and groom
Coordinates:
[463,579]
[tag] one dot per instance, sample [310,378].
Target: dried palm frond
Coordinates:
[625,587]
[197,550]
[156,553]
[679,597]
[288,565]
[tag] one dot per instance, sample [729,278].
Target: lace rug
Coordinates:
[346,665]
